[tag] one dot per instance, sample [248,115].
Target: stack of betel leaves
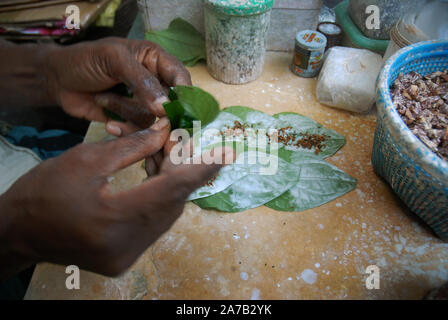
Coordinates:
[285,172]
[181,40]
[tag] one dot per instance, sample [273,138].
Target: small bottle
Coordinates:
[235,35]
[333,32]
[308,53]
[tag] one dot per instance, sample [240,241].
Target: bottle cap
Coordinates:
[240,7]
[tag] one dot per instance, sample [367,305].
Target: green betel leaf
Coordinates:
[297,125]
[225,178]
[175,111]
[240,111]
[198,104]
[222,121]
[319,183]
[225,131]
[254,118]
[254,189]
[181,40]
[214,132]
[190,104]
[302,125]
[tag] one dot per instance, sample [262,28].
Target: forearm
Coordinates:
[24,75]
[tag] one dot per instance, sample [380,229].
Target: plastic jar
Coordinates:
[235,35]
[308,53]
[332,31]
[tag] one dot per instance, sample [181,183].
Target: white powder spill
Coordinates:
[309,276]
[223,285]
[261,119]
[317,265]
[361,194]
[255,294]
[244,276]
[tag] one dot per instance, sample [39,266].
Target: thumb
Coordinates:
[192,174]
[127,150]
[173,185]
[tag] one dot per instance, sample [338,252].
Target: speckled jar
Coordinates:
[235,33]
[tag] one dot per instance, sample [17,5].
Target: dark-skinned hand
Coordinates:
[62,211]
[80,75]
[95,67]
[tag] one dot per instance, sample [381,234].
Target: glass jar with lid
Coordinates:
[235,33]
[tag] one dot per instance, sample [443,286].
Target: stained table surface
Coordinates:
[321,253]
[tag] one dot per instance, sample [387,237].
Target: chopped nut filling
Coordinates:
[422,102]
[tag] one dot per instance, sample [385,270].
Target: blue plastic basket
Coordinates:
[416,174]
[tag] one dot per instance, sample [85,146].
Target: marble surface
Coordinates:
[321,253]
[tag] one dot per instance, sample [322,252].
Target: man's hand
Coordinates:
[79,75]
[63,212]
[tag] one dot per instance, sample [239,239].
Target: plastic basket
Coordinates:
[353,34]
[416,174]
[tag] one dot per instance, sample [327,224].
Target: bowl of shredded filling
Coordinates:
[422,102]
[410,149]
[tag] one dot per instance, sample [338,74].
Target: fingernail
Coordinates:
[158,104]
[113,129]
[161,124]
